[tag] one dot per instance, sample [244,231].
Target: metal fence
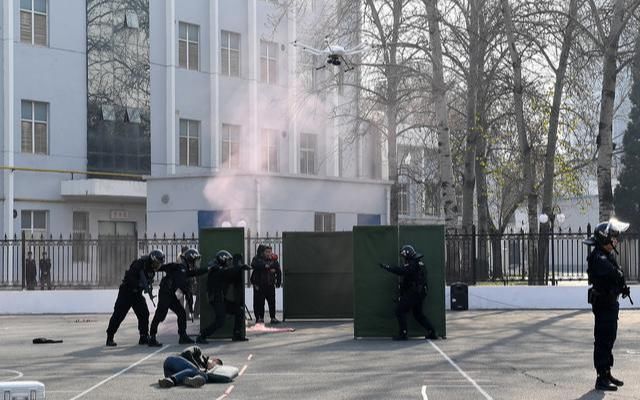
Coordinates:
[541,258]
[85,262]
[471,257]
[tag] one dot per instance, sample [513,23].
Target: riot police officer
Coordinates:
[608,283]
[176,281]
[137,279]
[224,271]
[412,291]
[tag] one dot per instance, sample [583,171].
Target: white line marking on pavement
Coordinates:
[117,374]
[446,357]
[226,393]
[424,392]
[250,357]
[244,368]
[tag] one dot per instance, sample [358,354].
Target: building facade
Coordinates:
[131,116]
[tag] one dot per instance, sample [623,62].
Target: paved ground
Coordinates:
[488,355]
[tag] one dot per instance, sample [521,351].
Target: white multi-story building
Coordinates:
[153,116]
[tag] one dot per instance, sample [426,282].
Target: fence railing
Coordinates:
[541,258]
[471,257]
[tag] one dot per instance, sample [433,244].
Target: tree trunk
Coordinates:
[528,181]
[469,176]
[609,76]
[442,118]
[552,138]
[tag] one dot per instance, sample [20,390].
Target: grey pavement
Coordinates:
[488,355]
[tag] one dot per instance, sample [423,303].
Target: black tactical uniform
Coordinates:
[223,273]
[45,272]
[137,279]
[177,276]
[608,284]
[412,291]
[265,278]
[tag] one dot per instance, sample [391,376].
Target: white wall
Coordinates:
[480,298]
[287,202]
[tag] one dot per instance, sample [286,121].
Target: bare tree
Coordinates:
[608,43]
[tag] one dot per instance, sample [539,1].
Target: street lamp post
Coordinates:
[543,219]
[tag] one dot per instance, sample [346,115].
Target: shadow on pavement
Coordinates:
[592,395]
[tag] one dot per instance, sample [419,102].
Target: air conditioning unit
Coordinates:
[22,390]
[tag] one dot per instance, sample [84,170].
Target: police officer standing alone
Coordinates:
[176,281]
[413,290]
[265,278]
[224,272]
[608,283]
[137,279]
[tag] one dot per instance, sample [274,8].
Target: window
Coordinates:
[230,146]
[189,142]
[34,223]
[324,222]
[268,62]
[271,152]
[34,127]
[188,43]
[80,236]
[230,53]
[308,148]
[33,22]
[403,199]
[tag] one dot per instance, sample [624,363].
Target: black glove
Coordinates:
[626,291]
[384,266]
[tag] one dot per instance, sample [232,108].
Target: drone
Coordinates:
[336,54]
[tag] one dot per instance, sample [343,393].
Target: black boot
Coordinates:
[613,380]
[184,339]
[110,342]
[201,339]
[431,335]
[401,336]
[603,383]
[144,339]
[153,342]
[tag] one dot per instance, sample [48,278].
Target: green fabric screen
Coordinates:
[375,288]
[318,275]
[213,240]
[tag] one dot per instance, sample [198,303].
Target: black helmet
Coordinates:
[407,251]
[223,257]
[191,257]
[605,232]
[157,258]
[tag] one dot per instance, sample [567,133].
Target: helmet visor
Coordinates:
[616,227]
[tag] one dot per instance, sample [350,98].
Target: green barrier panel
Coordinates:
[318,275]
[375,289]
[213,240]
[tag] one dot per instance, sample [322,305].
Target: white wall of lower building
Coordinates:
[480,298]
[267,203]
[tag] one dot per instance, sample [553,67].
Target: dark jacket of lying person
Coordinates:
[194,369]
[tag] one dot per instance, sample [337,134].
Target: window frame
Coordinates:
[33,14]
[188,41]
[31,229]
[327,226]
[33,122]
[226,45]
[267,60]
[306,151]
[404,205]
[79,251]
[233,159]
[270,141]
[190,123]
